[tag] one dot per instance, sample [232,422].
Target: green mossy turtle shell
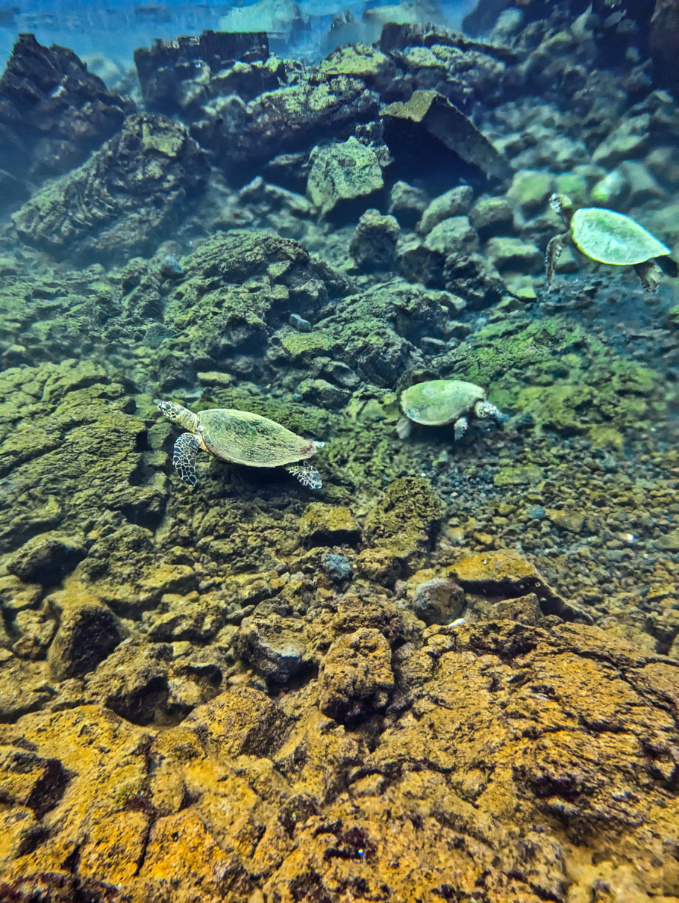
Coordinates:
[610,237]
[251,439]
[440,401]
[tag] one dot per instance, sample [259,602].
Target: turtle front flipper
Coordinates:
[460,427]
[306,474]
[184,458]
[403,428]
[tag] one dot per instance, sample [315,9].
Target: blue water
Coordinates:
[119,27]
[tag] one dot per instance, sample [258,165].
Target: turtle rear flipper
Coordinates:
[306,474]
[184,458]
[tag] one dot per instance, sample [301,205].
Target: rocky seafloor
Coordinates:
[452,673]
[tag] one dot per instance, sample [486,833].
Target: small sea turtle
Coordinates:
[438,402]
[607,237]
[241,438]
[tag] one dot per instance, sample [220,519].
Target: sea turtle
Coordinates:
[607,237]
[241,438]
[438,402]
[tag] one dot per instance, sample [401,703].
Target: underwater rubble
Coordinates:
[452,672]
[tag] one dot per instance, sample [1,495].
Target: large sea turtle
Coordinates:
[241,438]
[438,402]
[607,237]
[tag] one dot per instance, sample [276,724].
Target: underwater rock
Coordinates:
[46,558]
[135,188]
[506,574]
[275,646]
[88,632]
[285,120]
[514,255]
[429,119]
[407,203]
[545,745]
[344,178]
[177,76]
[473,278]
[328,525]
[355,677]
[373,244]
[492,216]
[437,601]
[530,190]
[405,521]
[455,202]
[154,682]
[240,722]
[73,452]
[53,112]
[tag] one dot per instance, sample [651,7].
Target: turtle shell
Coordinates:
[440,401]
[610,237]
[245,438]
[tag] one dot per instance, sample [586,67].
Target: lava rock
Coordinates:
[343,178]
[373,244]
[429,118]
[328,525]
[47,558]
[355,677]
[455,202]
[437,601]
[275,646]
[176,75]
[53,112]
[88,633]
[137,186]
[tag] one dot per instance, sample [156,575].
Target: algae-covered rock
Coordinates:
[328,525]
[455,202]
[530,190]
[405,521]
[506,573]
[429,116]
[276,647]
[373,244]
[355,676]
[137,186]
[88,632]
[437,601]
[344,176]
[72,446]
[46,558]
[285,119]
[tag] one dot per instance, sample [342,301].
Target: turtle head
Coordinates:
[177,414]
[484,410]
[563,205]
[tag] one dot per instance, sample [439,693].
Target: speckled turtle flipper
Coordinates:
[184,458]
[460,427]
[306,474]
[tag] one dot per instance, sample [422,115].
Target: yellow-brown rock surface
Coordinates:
[512,764]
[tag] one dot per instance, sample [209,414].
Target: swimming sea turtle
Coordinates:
[438,402]
[241,438]
[607,237]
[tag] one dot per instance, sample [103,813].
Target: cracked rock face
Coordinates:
[137,186]
[490,768]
